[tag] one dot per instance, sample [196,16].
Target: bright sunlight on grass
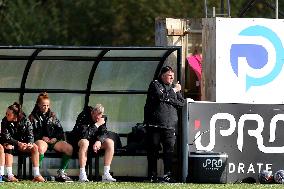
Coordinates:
[130,185]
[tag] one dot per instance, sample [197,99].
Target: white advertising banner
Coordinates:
[249,60]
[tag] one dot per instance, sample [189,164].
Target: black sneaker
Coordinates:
[62,177]
[168,179]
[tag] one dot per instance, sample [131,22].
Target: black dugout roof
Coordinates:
[30,69]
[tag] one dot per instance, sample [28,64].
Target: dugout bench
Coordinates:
[119,151]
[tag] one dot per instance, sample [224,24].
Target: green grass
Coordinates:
[130,185]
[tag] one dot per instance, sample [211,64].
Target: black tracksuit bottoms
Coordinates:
[155,137]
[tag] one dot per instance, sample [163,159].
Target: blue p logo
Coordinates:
[257,55]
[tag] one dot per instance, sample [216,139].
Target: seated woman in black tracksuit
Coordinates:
[48,134]
[17,133]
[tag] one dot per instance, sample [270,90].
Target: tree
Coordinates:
[97,22]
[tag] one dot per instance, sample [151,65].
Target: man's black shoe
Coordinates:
[168,179]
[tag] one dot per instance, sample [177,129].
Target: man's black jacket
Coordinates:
[161,105]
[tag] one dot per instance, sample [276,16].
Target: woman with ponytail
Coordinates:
[49,134]
[17,133]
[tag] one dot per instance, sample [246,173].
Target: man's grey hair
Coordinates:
[99,108]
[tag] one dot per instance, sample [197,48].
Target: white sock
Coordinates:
[106,169]
[2,170]
[36,171]
[9,171]
[82,171]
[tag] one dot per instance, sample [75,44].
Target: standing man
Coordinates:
[90,133]
[161,118]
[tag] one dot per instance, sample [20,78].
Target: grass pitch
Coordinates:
[130,185]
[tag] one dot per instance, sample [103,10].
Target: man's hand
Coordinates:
[97,146]
[177,87]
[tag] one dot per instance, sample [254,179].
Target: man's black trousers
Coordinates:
[155,137]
